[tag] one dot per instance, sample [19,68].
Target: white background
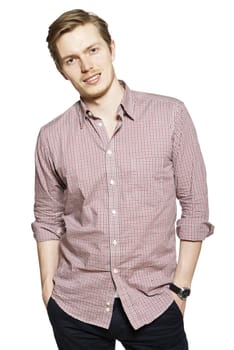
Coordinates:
[177,48]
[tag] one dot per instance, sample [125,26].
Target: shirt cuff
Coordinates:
[46,234]
[193,231]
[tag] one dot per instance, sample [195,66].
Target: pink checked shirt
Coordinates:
[112,205]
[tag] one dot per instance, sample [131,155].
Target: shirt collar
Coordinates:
[126,105]
[127,102]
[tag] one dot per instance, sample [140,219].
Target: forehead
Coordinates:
[78,39]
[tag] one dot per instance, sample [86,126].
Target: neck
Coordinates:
[107,105]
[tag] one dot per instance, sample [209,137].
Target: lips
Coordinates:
[93,79]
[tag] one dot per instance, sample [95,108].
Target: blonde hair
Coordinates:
[69,21]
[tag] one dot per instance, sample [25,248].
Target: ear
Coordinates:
[112,47]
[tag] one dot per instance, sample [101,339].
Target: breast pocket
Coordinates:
[147,178]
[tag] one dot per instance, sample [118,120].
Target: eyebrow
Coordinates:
[75,55]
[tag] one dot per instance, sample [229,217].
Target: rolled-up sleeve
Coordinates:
[49,195]
[190,180]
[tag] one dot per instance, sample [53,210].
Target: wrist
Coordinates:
[181,292]
[182,280]
[47,285]
[47,289]
[47,280]
[182,283]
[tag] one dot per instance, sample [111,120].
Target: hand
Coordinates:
[181,303]
[47,290]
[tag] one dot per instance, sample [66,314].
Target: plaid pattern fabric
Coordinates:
[112,204]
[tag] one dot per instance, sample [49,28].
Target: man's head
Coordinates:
[83,51]
[69,21]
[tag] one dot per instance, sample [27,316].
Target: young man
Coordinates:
[108,172]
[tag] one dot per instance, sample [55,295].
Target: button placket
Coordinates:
[101,131]
[112,184]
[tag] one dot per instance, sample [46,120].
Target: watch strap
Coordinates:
[182,293]
[174,288]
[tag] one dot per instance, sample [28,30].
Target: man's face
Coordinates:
[86,60]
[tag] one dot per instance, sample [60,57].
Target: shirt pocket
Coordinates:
[147,177]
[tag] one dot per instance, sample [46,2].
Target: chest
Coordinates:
[128,151]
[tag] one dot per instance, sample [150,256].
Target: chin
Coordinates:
[97,93]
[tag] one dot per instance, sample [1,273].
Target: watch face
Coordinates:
[185,293]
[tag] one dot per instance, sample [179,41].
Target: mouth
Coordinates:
[92,79]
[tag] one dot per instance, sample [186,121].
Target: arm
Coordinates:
[49,225]
[191,191]
[188,256]
[190,180]
[48,255]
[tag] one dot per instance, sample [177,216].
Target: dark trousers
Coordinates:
[164,333]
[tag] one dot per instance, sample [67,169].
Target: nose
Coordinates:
[85,65]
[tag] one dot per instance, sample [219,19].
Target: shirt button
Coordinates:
[99,123]
[108,303]
[107,309]
[114,212]
[112,182]
[109,152]
[115,270]
[114,242]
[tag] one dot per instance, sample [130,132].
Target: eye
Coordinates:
[70,61]
[93,50]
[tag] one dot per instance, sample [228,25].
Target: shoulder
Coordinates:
[158,107]
[147,97]
[56,131]
[60,124]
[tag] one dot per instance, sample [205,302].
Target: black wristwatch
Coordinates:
[182,293]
